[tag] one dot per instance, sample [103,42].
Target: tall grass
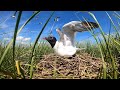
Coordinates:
[105,46]
[33,50]
[12,54]
[16,33]
[22,54]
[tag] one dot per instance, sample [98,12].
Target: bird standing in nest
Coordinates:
[65,45]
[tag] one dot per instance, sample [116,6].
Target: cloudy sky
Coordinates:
[32,29]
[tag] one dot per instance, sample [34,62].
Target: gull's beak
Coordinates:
[44,38]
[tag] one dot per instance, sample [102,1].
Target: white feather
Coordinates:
[65,46]
[62,50]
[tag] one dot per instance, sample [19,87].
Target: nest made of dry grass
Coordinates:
[82,66]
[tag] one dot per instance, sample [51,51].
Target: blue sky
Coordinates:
[30,32]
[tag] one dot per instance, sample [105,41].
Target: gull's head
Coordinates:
[51,39]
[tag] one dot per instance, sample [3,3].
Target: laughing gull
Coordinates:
[65,45]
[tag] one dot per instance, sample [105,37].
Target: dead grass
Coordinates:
[81,66]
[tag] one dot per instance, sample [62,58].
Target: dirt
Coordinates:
[81,66]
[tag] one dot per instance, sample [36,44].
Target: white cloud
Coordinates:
[26,39]
[6,39]
[23,42]
[23,39]
[19,38]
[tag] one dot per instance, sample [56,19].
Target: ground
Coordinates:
[82,66]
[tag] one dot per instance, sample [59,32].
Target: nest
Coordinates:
[82,66]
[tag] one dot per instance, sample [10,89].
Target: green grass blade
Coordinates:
[20,71]
[33,50]
[117,15]
[115,41]
[107,46]
[103,48]
[28,21]
[109,34]
[15,34]
[117,33]
[8,46]
[14,38]
[100,48]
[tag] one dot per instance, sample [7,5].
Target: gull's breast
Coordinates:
[62,50]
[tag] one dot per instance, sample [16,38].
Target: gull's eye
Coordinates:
[51,37]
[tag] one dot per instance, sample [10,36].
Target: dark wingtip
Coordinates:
[94,24]
[91,24]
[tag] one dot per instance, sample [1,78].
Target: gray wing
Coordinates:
[72,27]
